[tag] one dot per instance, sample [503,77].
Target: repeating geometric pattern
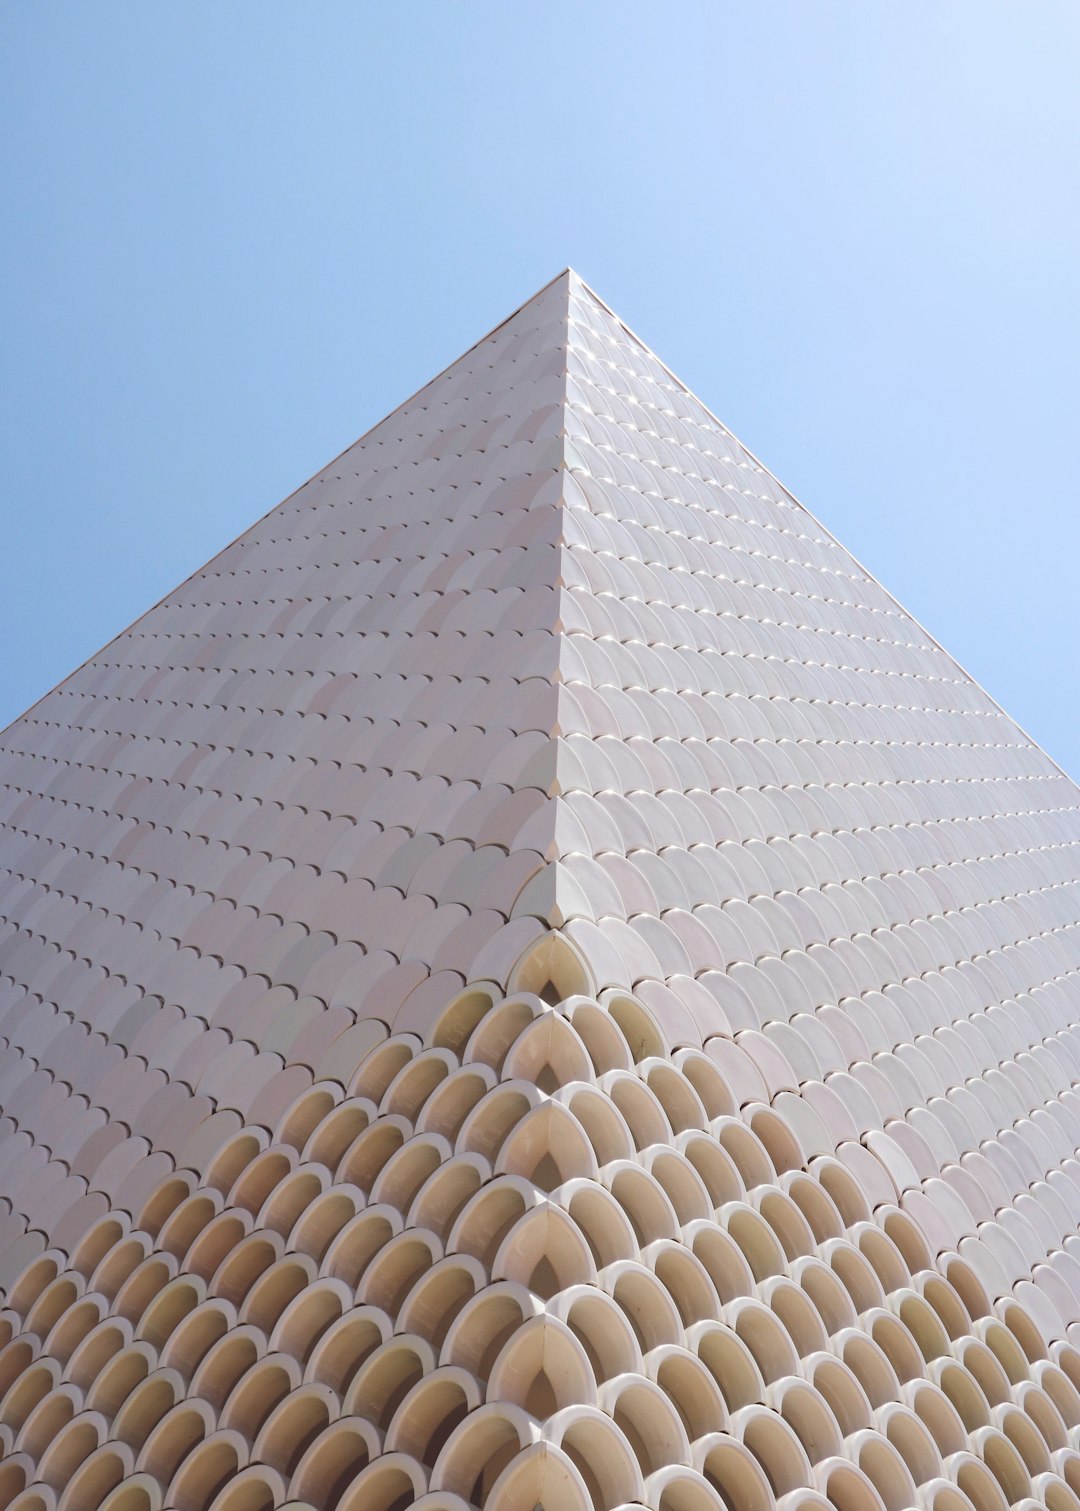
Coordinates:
[531,980]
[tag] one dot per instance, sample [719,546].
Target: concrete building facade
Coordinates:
[530,980]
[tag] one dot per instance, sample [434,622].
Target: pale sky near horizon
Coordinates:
[236,235]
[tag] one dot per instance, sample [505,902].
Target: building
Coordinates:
[531,980]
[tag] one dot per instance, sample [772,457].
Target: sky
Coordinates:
[237,235]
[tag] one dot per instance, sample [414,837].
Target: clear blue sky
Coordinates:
[237,234]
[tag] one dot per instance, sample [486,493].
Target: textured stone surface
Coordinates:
[531,979]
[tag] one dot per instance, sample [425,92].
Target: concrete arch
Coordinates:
[479,1449]
[258,1392]
[439,1295]
[643,1199]
[545,1251]
[359,1242]
[602,1123]
[601,1220]
[690,1387]
[337,1130]
[430,1412]
[730,1468]
[172,1438]
[333,1461]
[542,1367]
[600,1453]
[478,1332]
[547,1147]
[211,1465]
[292,1424]
[385,1376]
[548,1053]
[395,1269]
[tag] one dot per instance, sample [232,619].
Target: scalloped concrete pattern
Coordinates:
[531,980]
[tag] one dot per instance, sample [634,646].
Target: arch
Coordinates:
[234,1156]
[386,1377]
[243,1265]
[796,1313]
[549,1054]
[729,1361]
[724,1262]
[370,1150]
[715,1166]
[732,1469]
[140,1492]
[96,1477]
[439,1295]
[292,1425]
[600,1453]
[680,1182]
[643,1199]
[207,1470]
[333,1460]
[69,1449]
[645,1303]
[847,1487]
[601,1036]
[747,1152]
[443,1196]
[807,1414]
[545,1252]
[359,1241]
[257,1179]
[601,1327]
[258,1393]
[777,1138]
[841,1390]
[553,969]
[757,1242]
[307,1113]
[453,1100]
[775,1445]
[492,1037]
[416,1081]
[483,1325]
[345,1345]
[193,1337]
[429,1413]
[257,1488]
[691,1389]
[637,1026]
[337,1131]
[319,1224]
[308,1316]
[381,1064]
[639,1109]
[454,1025]
[542,1367]
[479,1449]
[604,1225]
[681,1103]
[28,1388]
[547,1147]
[685,1279]
[211,1248]
[290,1199]
[225,1363]
[394,1271]
[120,1377]
[406,1171]
[539,1470]
[173,1437]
